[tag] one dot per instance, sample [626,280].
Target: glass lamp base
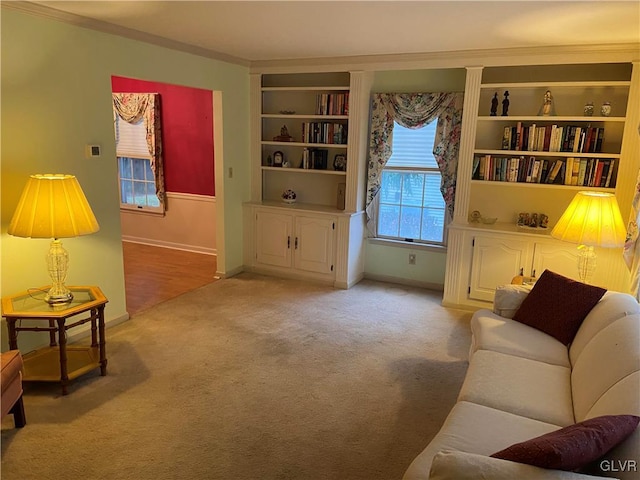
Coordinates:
[56,297]
[57,264]
[586,263]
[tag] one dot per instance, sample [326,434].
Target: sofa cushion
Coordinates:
[574,446]
[492,332]
[508,298]
[621,398]
[557,305]
[476,429]
[612,306]
[11,367]
[453,465]
[521,386]
[611,356]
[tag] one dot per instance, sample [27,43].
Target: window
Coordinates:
[136,179]
[411,206]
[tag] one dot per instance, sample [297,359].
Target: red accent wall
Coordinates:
[187,133]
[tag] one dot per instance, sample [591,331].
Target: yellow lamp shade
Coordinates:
[52,206]
[593,219]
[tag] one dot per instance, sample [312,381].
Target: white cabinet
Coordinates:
[295,243]
[496,259]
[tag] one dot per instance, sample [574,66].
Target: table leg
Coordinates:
[94,336]
[52,333]
[62,339]
[13,335]
[103,346]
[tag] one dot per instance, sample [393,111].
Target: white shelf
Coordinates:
[550,119]
[306,89]
[303,116]
[586,84]
[303,170]
[516,153]
[497,183]
[300,144]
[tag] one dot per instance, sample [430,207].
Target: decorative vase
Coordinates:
[289,196]
[605,110]
[588,109]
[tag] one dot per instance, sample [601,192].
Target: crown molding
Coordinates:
[105,27]
[572,54]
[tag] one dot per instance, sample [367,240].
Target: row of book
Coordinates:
[553,138]
[324,132]
[584,172]
[332,103]
[315,158]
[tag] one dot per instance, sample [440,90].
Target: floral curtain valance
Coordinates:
[131,107]
[631,251]
[413,110]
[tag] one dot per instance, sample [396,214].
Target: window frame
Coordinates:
[137,151]
[134,207]
[411,242]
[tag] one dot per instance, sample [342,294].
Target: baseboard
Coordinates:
[172,245]
[405,281]
[230,273]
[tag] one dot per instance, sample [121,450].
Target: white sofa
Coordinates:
[522,383]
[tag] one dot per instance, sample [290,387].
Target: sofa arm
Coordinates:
[454,465]
[508,298]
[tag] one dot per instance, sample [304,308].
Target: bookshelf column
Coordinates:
[467,142]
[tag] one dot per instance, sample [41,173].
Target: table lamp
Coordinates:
[592,219]
[54,206]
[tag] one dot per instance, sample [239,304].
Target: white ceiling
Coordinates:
[268,30]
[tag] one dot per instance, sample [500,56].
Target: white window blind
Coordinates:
[131,139]
[413,148]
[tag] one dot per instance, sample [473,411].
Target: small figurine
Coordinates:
[533,220]
[523,219]
[494,105]
[544,220]
[547,108]
[284,135]
[505,104]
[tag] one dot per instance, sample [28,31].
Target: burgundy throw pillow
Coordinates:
[574,446]
[557,305]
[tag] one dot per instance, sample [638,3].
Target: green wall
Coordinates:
[388,261]
[56,99]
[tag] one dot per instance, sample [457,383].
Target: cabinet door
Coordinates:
[313,244]
[557,258]
[496,260]
[273,238]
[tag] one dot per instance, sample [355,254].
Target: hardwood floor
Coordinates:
[155,274]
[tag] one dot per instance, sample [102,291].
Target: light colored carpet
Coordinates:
[254,378]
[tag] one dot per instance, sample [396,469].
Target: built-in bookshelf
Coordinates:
[568,149]
[532,158]
[308,135]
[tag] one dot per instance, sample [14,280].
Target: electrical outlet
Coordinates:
[412,259]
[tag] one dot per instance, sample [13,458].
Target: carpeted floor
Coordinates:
[254,378]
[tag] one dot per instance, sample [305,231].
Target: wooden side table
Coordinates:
[58,362]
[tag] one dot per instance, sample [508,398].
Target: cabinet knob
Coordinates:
[521,270]
[289,241]
[296,243]
[533,273]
